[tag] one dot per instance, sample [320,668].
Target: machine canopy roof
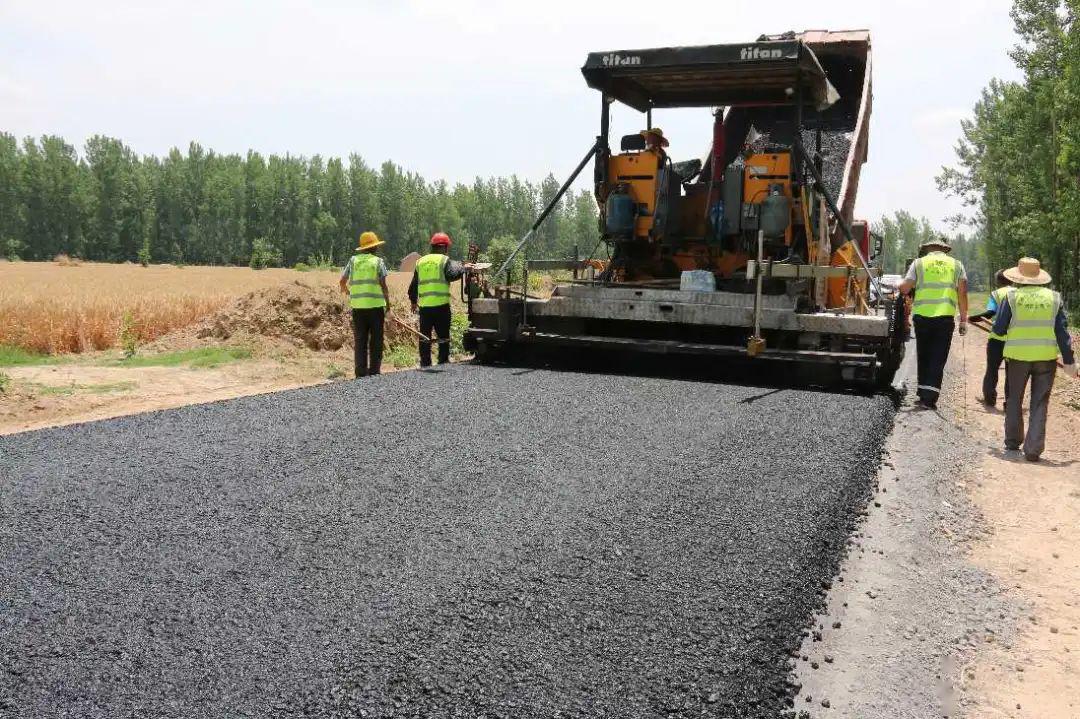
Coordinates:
[710,75]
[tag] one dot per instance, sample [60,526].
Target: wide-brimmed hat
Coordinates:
[939,242]
[1028,272]
[369,241]
[657,133]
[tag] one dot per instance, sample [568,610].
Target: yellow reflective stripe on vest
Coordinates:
[936,277]
[1001,296]
[365,290]
[1031,335]
[432,288]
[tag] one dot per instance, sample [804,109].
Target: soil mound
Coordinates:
[317,317]
[313,317]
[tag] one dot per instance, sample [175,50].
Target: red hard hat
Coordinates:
[440,239]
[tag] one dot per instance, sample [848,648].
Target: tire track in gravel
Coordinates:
[563,544]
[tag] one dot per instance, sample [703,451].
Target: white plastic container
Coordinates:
[697,281]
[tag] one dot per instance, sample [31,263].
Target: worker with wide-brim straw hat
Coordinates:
[654,138]
[940,285]
[995,344]
[1036,329]
[364,279]
[1028,271]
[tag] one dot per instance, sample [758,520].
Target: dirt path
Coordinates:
[1033,514]
[47,396]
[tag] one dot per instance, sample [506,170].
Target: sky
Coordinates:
[467,88]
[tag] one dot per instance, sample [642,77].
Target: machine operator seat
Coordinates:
[661,182]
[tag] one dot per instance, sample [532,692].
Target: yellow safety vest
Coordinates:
[365,291]
[1031,335]
[1000,296]
[936,277]
[432,289]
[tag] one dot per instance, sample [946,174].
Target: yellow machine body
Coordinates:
[764,170]
[846,292]
[638,171]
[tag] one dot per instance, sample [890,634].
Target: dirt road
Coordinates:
[1032,514]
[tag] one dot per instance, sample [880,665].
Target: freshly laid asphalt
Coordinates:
[467,542]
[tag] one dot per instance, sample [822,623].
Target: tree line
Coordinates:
[1018,160]
[200,207]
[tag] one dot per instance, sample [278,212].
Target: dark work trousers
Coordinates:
[368,337]
[437,318]
[1017,374]
[933,338]
[994,358]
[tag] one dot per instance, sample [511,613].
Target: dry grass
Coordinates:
[55,308]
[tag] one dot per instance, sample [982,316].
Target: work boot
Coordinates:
[1031,457]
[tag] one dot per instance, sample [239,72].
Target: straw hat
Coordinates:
[657,133]
[369,241]
[940,243]
[1028,272]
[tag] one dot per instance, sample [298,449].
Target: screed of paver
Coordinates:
[460,542]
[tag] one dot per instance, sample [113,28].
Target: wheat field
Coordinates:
[56,308]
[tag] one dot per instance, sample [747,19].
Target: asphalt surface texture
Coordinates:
[464,542]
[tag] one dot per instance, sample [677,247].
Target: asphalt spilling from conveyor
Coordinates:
[465,542]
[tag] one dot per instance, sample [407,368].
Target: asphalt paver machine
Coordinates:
[749,253]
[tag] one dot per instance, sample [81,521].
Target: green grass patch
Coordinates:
[459,322]
[18,357]
[5,382]
[201,358]
[46,390]
[402,356]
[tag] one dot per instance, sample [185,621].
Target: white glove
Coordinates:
[1071,370]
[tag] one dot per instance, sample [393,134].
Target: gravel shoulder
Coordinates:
[563,545]
[960,595]
[909,609]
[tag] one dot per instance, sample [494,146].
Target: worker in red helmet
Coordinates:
[429,293]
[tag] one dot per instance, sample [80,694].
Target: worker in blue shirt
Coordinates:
[1036,329]
[995,344]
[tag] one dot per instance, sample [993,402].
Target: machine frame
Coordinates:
[784,317]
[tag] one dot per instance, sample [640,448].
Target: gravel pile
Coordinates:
[560,545]
[834,151]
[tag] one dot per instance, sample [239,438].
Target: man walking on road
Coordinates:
[364,279]
[940,284]
[1036,329]
[429,293]
[995,344]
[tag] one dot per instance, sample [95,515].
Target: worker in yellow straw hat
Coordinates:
[1035,327]
[364,279]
